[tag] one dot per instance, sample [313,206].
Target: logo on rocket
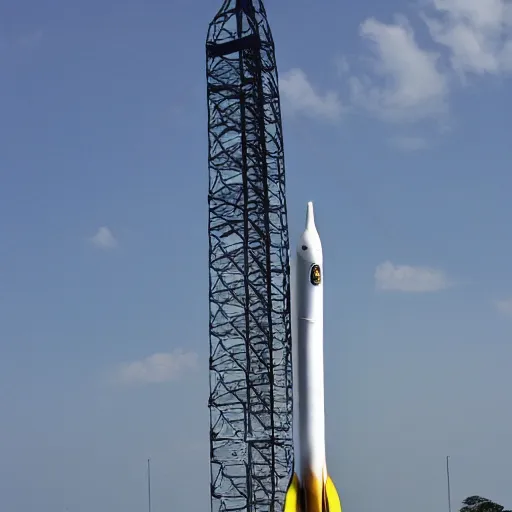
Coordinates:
[312,490]
[316,275]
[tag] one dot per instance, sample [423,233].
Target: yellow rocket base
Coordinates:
[313,496]
[331,497]
[292,500]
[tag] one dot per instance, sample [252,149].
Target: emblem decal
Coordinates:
[316,275]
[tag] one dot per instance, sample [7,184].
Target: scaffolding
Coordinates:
[251,399]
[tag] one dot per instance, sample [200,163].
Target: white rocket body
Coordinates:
[310,351]
[312,490]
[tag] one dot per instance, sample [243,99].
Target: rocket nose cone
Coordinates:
[310,217]
[310,248]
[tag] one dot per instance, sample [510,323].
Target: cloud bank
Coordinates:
[405,82]
[104,239]
[404,278]
[157,368]
[397,79]
[301,97]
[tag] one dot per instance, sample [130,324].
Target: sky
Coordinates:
[395,124]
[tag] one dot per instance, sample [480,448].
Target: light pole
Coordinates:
[149,486]
[448,482]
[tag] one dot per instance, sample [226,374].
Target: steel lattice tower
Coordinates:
[250,331]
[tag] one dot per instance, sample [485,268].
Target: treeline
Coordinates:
[479,504]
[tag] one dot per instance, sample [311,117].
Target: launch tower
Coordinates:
[250,331]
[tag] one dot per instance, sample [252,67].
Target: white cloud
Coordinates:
[409,82]
[504,306]
[406,83]
[104,238]
[477,34]
[301,97]
[404,278]
[161,367]
[408,143]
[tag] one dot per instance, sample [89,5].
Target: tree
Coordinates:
[479,504]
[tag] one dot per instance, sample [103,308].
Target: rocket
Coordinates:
[312,490]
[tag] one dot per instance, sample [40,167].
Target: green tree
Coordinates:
[479,504]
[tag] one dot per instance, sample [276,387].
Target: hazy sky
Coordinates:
[396,117]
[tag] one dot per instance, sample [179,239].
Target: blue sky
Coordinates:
[395,121]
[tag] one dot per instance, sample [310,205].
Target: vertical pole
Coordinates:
[149,486]
[448,482]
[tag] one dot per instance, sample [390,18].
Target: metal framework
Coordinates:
[250,331]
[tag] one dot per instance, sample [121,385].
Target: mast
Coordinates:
[149,486]
[251,401]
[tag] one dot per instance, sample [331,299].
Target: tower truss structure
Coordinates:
[251,399]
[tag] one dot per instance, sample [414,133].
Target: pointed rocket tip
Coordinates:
[310,216]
